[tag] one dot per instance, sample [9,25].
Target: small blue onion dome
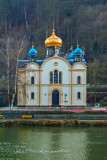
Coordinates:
[71,56]
[33,51]
[78,51]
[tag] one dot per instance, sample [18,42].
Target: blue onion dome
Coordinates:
[33,51]
[71,56]
[78,51]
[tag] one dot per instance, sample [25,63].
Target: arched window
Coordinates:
[51,78]
[60,77]
[78,95]
[78,80]
[55,77]
[32,80]
[32,95]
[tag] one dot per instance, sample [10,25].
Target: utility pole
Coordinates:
[65,100]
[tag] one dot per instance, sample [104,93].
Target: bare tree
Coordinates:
[19,48]
[7,55]
[11,51]
[25,13]
[94,75]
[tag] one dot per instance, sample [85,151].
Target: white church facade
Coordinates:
[54,80]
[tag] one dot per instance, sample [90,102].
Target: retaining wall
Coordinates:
[18,115]
[80,117]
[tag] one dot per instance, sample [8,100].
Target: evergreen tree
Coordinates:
[95,49]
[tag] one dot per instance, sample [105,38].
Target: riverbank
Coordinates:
[48,122]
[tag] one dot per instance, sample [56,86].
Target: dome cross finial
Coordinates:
[32,44]
[71,48]
[53,24]
[77,43]
[53,30]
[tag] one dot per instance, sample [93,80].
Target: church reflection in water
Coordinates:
[53,143]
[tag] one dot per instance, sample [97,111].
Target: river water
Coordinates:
[53,143]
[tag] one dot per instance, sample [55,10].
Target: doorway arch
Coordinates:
[55,97]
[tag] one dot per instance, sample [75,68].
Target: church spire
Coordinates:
[53,30]
[53,24]
[32,44]
[77,43]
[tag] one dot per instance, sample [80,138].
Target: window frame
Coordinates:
[33,80]
[56,77]
[51,78]
[32,95]
[78,79]
[78,95]
[60,78]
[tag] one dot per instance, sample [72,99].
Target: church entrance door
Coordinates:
[55,97]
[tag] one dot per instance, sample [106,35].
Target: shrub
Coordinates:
[53,112]
[104,103]
[93,112]
[70,112]
[48,122]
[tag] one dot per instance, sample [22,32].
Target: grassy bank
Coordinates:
[47,122]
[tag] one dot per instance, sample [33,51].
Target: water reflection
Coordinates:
[52,143]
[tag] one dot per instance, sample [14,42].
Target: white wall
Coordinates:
[77,101]
[78,70]
[47,68]
[31,88]
[45,95]
[32,66]
[31,70]
[78,65]
[81,74]
[29,74]
[62,66]
[66,91]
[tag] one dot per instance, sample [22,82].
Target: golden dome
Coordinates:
[53,40]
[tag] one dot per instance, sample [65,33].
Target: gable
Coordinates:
[32,66]
[79,65]
[56,60]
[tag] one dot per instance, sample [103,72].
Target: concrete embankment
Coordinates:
[48,122]
[56,115]
[72,116]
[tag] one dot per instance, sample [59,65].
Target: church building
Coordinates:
[54,81]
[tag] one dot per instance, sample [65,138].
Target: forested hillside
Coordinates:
[22,21]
